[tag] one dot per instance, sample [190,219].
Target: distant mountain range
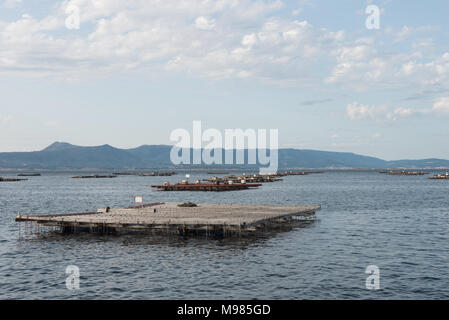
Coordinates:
[61,155]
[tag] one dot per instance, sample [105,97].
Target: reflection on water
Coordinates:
[162,238]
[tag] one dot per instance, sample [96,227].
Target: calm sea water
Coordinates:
[398,223]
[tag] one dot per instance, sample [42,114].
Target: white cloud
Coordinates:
[441,106]
[279,51]
[6,119]
[246,38]
[249,40]
[204,23]
[159,36]
[403,112]
[370,62]
[357,111]
[436,71]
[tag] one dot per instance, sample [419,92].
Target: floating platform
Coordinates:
[96,176]
[151,174]
[255,178]
[206,186]
[297,173]
[156,174]
[11,179]
[404,173]
[441,176]
[204,218]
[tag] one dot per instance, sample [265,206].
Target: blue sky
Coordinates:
[136,70]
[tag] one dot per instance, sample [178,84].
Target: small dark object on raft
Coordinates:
[187,204]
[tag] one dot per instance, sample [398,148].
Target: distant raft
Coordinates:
[255,178]
[184,186]
[151,174]
[11,179]
[96,176]
[404,173]
[441,176]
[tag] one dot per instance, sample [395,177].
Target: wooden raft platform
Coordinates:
[217,219]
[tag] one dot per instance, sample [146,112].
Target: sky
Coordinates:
[321,72]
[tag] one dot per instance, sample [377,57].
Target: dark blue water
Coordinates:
[399,223]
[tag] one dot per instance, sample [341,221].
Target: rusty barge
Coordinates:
[206,186]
